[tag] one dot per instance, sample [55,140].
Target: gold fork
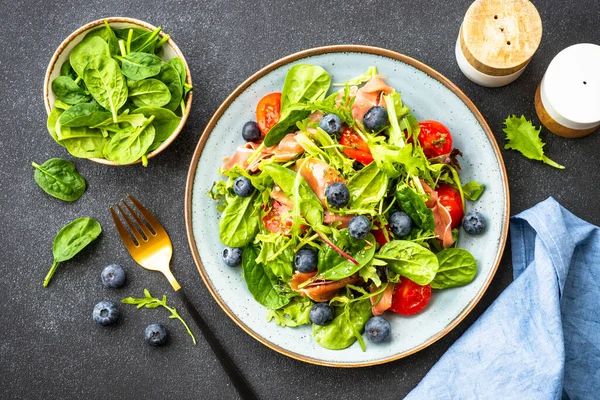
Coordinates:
[150,246]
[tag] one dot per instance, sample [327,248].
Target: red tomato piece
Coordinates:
[435,139]
[380,235]
[268,112]
[450,198]
[278,219]
[409,298]
[357,148]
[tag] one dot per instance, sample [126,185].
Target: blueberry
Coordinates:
[337,194]
[306,260]
[243,187]
[105,313]
[473,223]
[251,132]
[232,256]
[359,227]
[375,119]
[321,314]
[331,124]
[113,276]
[400,223]
[378,329]
[155,334]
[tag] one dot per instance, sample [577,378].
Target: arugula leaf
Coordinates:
[411,260]
[152,302]
[296,313]
[457,268]
[473,190]
[522,136]
[262,283]
[396,110]
[277,253]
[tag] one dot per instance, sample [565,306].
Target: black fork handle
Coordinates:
[238,380]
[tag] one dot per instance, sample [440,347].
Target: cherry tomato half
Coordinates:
[380,235]
[450,199]
[278,219]
[409,298]
[357,148]
[435,139]
[268,112]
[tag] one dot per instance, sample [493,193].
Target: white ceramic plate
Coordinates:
[430,96]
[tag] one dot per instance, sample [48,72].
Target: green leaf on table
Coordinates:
[59,179]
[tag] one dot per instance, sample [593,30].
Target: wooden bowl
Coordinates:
[170,50]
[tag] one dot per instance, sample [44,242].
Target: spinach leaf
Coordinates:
[240,221]
[170,77]
[414,205]
[360,79]
[68,91]
[473,190]
[284,126]
[61,105]
[86,146]
[165,122]
[59,179]
[179,66]
[88,48]
[295,313]
[70,240]
[410,260]
[108,35]
[332,266]
[133,120]
[149,93]
[340,333]
[67,70]
[106,83]
[138,66]
[53,118]
[129,145]
[368,186]
[457,268]
[67,132]
[261,282]
[84,115]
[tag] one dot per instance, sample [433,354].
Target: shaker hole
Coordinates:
[584,82]
[501,29]
[508,43]
[495,17]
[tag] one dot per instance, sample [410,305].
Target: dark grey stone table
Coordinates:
[49,346]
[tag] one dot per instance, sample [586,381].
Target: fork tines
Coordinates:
[143,228]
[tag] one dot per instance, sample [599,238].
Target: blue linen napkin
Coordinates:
[540,339]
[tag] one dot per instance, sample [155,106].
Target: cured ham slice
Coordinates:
[286,150]
[382,301]
[318,174]
[240,157]
[320,290]
[371,94]
[329,218]
[441,217]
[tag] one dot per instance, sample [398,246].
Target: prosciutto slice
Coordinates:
[320,290]
[371,94]
[318,174]
[286,150]
[384,300]
[441,217]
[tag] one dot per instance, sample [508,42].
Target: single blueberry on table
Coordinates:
[232,256]
[337,194]
[400,223]
[113,276]
[321,314]
[331,124]
[243,187]
[155,335]
[359,227]
[473,223]
[378,329]
[251,132]
[306,260]
[105,313]
[375,119]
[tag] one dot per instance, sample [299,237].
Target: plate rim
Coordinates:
[343,48]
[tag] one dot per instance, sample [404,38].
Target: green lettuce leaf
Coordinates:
[522,136]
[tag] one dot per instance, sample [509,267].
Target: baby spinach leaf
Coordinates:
[179,66]
[341,332]
[67,70]
[304,83]
[410,260]
[108,35]
[262,284]
[106,83]
[360,79]
[132,120]
[149,93]
[368,186]
[165,122]
[414,205]
[332,266]
[170,77]
[67,132]
[473,190]
[86,147]
[295,313]
[138,66]
[53,118]
[239,222]
[61,105]
[59,179]
[70,240]
[68,91]
[457,268]
[129,145]
[285,126]
[83,115]
[88,48]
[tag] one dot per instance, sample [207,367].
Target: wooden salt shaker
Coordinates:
[567,101]
[497,40]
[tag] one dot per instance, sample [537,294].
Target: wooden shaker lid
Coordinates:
[499,37]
